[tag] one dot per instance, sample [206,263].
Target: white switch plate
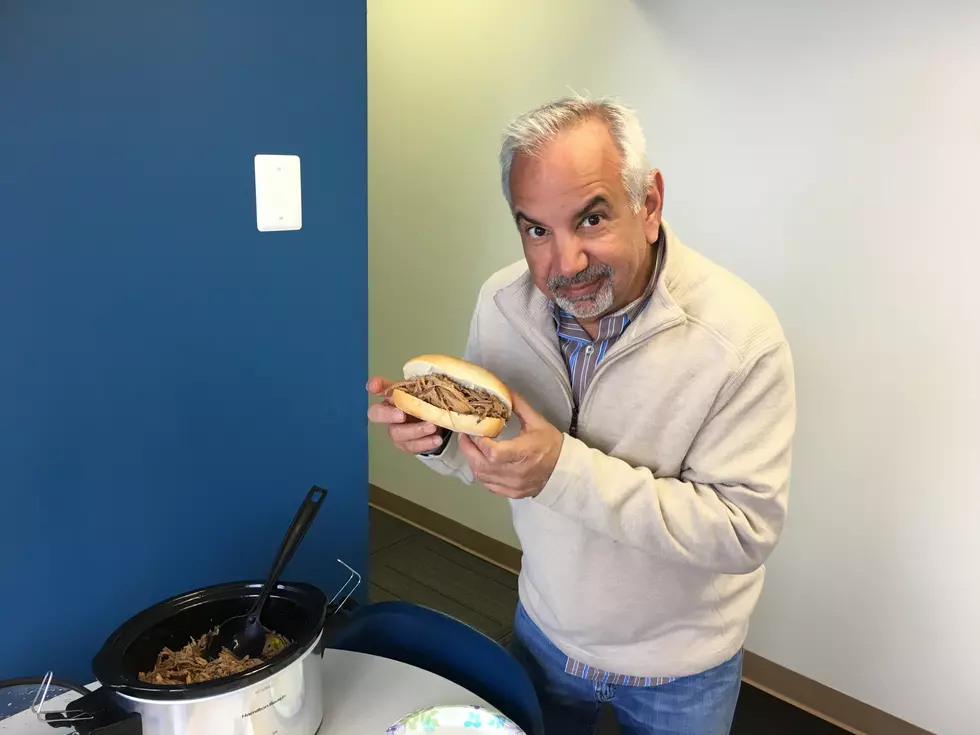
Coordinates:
[278,193]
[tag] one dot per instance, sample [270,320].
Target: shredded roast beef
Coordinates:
[188,665]
[443,392]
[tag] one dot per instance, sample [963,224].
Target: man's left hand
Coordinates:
[518,467]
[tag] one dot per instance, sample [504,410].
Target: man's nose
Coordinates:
[572,259]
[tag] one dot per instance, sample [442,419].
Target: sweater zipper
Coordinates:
[562,376]
[614,356]
[546,358]
[566,386]
[573,427]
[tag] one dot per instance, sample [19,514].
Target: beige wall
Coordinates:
[829,156]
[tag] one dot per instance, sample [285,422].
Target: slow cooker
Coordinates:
[282,696]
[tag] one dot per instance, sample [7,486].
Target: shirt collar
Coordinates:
[614,323]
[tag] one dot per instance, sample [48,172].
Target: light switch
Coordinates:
[278,193]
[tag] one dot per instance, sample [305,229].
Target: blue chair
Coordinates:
[449,648]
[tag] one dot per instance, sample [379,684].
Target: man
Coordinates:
[649,462]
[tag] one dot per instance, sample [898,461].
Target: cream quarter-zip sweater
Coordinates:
[644,553]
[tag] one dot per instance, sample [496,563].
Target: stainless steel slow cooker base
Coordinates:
[289,702]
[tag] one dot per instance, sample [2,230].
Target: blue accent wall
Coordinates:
[173,381]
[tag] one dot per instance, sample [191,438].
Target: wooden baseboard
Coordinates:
[822,701]
[489,549]
[829,704]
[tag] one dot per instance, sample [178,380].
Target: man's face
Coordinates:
[585,247]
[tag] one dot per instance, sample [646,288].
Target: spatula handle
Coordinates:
[291,541]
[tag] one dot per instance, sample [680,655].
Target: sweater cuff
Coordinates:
[566,471]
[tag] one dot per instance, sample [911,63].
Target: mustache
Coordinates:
[588,275]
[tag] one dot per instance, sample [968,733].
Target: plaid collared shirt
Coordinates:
[582,356]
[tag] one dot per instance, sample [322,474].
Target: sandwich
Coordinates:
[454,394]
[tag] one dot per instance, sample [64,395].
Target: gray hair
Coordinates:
[533,130]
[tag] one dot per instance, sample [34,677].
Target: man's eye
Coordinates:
[536,232]
[592,220]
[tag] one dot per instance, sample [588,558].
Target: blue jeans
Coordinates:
[701,704]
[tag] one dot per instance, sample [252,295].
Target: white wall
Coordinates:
[828,154]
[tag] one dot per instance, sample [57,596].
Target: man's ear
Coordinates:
[654,206]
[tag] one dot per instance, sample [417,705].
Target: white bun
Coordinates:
[466,374]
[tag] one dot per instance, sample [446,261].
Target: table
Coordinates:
[363,695]
[366,694]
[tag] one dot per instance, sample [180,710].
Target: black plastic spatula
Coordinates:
[244,635]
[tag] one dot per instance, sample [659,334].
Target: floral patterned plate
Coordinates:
[453,720]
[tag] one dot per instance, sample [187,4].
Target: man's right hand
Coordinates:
[406,432]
